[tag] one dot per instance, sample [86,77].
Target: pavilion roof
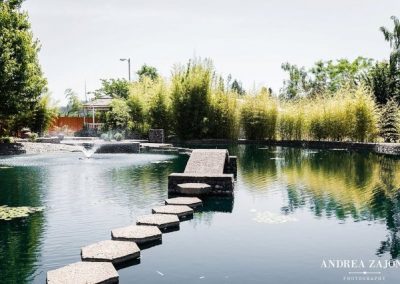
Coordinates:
[101,103]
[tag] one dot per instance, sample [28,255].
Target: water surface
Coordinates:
[291,210]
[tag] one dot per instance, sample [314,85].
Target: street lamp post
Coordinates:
[129,67]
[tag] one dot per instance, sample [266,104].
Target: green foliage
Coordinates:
[291,124]
[237,87]
[21,78]
[259,115]
[390,121]
[347,114]
[385,76]
[117,118]
[191,92]
[118,136]
[382,82]
[34,136]
[115,88]
[147,71]
[74,106]
[43,115]
[6,139]
[105,137]
[365,117]
[324,77]
[159,110]
[223,116]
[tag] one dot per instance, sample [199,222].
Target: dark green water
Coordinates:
[292,210]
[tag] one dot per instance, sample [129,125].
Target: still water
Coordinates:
[292,210]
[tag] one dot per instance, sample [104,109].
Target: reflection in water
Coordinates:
[340,184]
[85,199]
[20,239]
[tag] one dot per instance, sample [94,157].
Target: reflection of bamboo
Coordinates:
[337,183]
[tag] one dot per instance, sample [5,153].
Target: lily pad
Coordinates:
[9,213]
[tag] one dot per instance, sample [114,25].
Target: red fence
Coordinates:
[72,124]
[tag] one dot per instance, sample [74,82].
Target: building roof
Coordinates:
[101,103]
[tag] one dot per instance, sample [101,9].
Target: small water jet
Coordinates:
[89,149]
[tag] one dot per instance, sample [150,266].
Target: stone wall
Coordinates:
[119,147]
[231,166]
[11,149]
[156,136]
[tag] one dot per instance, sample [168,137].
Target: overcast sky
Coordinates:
[84,39]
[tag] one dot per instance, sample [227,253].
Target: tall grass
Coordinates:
[349,114]
[259,115]
[191,92]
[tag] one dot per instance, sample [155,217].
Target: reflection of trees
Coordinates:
[258,167]
[144,183]
[385,202]
[20,238]
[338,184]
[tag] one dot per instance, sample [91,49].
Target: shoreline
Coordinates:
[393,149]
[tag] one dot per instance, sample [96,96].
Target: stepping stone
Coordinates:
[162,221]
[137,234]
[207,161]
[178,210]
[193,188]
[192,202]
[113,251]
[84,273]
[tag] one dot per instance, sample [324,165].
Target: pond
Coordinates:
[293,211]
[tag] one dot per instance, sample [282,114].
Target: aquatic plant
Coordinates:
[9,213]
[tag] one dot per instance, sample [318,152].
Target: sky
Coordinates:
[83,40]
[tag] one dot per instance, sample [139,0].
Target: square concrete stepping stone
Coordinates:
[84,273]
[178,210]
[113,251]
[194,188]
[137,234]
[192,202]
[162,221]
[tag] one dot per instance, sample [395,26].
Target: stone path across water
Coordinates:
[84,273]
[139,234]
[178,210]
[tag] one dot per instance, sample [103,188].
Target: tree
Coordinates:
[147,71]
[296,85]
[393,37]
[118,117]
[115,88]
[324,77]
[237,87]
[74,105]
[21,78]
[381,82]
[390,121]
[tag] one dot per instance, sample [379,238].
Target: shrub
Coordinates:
[34,136]
[105,136]
[118,136]
[6,140]
[118,117]
[259,116]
